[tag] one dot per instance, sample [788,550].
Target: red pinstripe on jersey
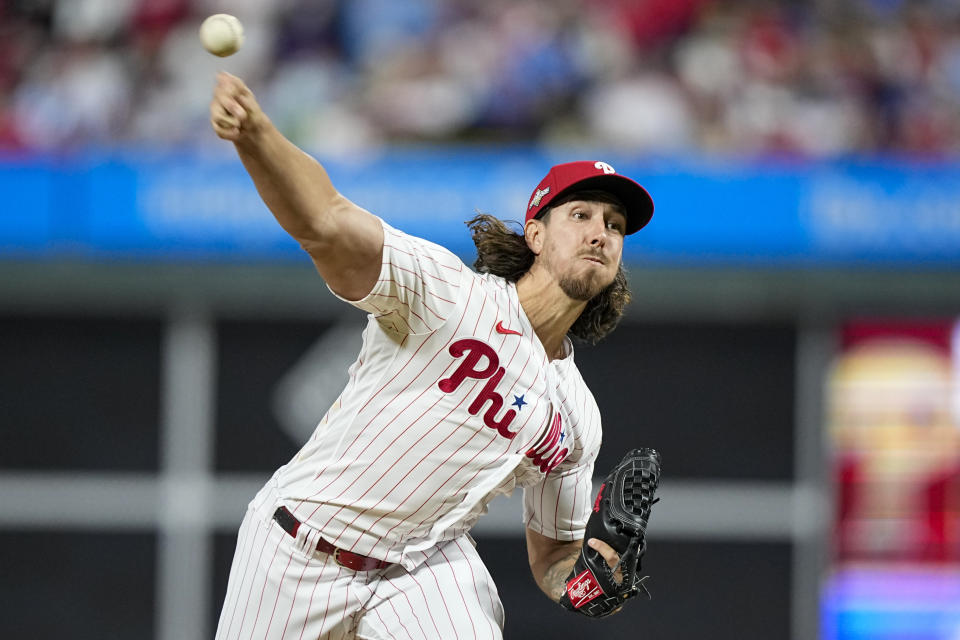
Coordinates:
[476,589]
[467,481]
[412,611]
[361,433]
[370,399]
[473,624]
[327,562]
[423,595]
[442,484]
[416,293]
[263,591]
[443,599]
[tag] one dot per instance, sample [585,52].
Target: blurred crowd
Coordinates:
[811,78]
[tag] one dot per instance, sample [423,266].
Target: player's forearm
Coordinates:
[552,578]
[293,185]
[551,562]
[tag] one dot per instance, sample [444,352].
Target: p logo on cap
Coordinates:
[603,166]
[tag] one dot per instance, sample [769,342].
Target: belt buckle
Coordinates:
[336,557]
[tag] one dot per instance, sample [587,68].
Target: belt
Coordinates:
[342,557]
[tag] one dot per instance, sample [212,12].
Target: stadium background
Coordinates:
[165,347]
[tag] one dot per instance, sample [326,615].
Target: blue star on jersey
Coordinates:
[518,402]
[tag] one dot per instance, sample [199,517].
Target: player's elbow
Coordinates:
[320,224]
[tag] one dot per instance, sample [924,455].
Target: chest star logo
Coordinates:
[518,402]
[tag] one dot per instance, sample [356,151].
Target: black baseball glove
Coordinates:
[620,514]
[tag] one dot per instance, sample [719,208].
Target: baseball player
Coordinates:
[465,388]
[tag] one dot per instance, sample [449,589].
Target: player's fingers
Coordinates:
[229,81]
[238,112]
[221,116]
[608,553]
[230,87]
[224,128]
[225,123]
[233,85]
[247,102]
[225,96]
[227,133]
[605,550]
[239,87]
[232,108]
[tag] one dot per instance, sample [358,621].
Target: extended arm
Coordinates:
[344,241]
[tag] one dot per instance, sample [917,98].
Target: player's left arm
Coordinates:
[551,561]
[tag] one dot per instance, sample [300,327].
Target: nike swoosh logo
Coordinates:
[504,330]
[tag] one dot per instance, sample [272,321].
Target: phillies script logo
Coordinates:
[548,454]
[473,352]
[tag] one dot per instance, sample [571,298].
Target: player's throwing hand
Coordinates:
[234,112]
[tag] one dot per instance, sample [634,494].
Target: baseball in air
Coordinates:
[221,34]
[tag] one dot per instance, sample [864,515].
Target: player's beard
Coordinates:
[582,287]
[576,281]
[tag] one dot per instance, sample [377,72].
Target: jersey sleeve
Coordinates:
[418,285]
[558,507]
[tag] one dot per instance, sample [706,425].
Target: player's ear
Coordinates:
[533,233]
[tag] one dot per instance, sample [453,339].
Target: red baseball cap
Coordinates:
[587,174]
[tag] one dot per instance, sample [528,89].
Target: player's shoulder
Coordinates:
[418,247]
[495,284]
[498,290]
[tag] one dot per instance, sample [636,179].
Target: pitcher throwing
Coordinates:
[465,388]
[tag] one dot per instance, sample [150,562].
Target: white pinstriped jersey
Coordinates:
[451,402]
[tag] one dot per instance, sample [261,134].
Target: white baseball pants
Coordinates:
[280,587]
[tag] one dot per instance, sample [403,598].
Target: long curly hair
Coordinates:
[504,252]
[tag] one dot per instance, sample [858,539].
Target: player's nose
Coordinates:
[596,232]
